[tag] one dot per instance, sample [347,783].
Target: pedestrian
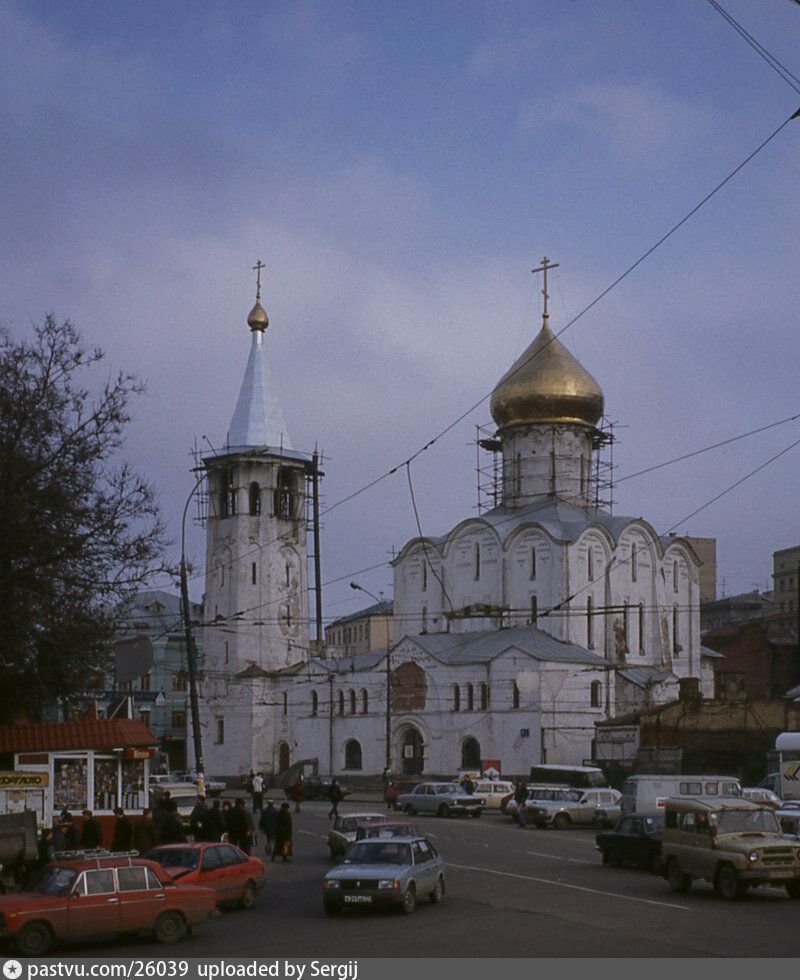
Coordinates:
[145,835]
[267,824]
[226,814]
[212,824]
[123,832]
[91,832]
[297,793]
[46,849]
[237,825]
[65,834]
[284,845]
[258,792]
[520,798]
[335,795]
[168,824]
[196,817]
[387,785]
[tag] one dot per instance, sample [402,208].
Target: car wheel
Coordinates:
[331,908]
[678,881]
[793,889]
[409,809]
[730,888]
[34,939]
[438,892]
[409,900]
[561,821]
[443,811]
[170,927]
[248,899]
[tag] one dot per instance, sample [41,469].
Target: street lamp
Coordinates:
[191,652]
[360,588]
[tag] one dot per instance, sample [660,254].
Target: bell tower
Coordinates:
[256,582]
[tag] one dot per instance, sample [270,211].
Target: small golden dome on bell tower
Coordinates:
[257,318]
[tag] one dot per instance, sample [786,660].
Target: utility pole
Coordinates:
[191,653]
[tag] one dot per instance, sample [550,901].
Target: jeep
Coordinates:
[731,843]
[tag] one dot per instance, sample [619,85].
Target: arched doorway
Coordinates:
[412,752]
[471,754]
[283,756]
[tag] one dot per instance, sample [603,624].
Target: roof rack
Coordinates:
[97,854]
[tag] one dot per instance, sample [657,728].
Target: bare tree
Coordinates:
[79,531]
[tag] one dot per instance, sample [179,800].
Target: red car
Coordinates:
[235,876]
[92,897]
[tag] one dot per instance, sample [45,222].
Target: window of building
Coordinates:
[590,563]
[364,701]
[633,563]
[424,575]
[589,623]
[286,702]
[532,567]
[675,625]
[515,696]
[341,702]
[227,493]
[144,716]
[484,697]
[220,739]
[180,681]
[179,719]
[675,576]
[626,625]
[477,561]
[314,703]
[594,694]
[285,494]
[352,698]
[456,698]
[640,630]
[534,610]
[424,619]
[254,499]
[227,653]
[144,682]
[352,754]
[470,698]
[254,573]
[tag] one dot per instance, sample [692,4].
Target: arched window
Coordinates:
[254,499]
[352,697]
[534,610]
[532,574]
[227,503]
[515,696]
[424,575]
[341,702]
[285,494]
[424,619]
[314,703]
[456,698]
[594,694]
[589,623]
[285,703]
[471,753]
[484,697]
[470,698]
[477,562]
[364,701]
[352,754]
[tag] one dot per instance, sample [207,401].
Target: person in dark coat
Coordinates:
[238,831]
[212,823]
[335,795]
[267,824]
[197,817]
[145,835]
[297,793]
[123,832]
[65,834]
[284,846]
[91,832]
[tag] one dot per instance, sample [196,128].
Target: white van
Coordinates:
[647,793]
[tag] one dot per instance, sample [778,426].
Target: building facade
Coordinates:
[521,628]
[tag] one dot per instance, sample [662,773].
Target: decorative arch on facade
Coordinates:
[409,685]
[352,754]
[471,753]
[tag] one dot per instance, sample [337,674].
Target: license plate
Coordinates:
[358,899]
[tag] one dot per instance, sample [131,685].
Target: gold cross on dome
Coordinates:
[257,269]
[546,264]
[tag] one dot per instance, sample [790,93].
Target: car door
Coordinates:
[141,898]
[232,871]
[424,798]
[425,869]
[94,905]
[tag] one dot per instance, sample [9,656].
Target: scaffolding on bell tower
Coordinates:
[489,475]
[603,451]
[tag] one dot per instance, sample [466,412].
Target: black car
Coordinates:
[317,788]
[636,839]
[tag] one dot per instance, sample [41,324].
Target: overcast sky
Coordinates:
[401,168]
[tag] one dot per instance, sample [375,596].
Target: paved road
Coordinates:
[510,892]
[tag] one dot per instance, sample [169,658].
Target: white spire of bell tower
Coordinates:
[258,418]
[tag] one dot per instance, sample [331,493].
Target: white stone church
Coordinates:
[518,629]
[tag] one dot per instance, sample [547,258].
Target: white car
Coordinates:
[535,794]
[579,807]
[493,792]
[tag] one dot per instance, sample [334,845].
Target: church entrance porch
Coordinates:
[412,752]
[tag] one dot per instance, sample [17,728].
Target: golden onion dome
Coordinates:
[546,384]
[258,319]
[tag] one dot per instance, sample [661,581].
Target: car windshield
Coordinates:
[54,881]
[176,857]
[447,788]
[377,852]
[747,822]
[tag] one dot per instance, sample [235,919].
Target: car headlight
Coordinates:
[387,883]
[331,883]
[753,856]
